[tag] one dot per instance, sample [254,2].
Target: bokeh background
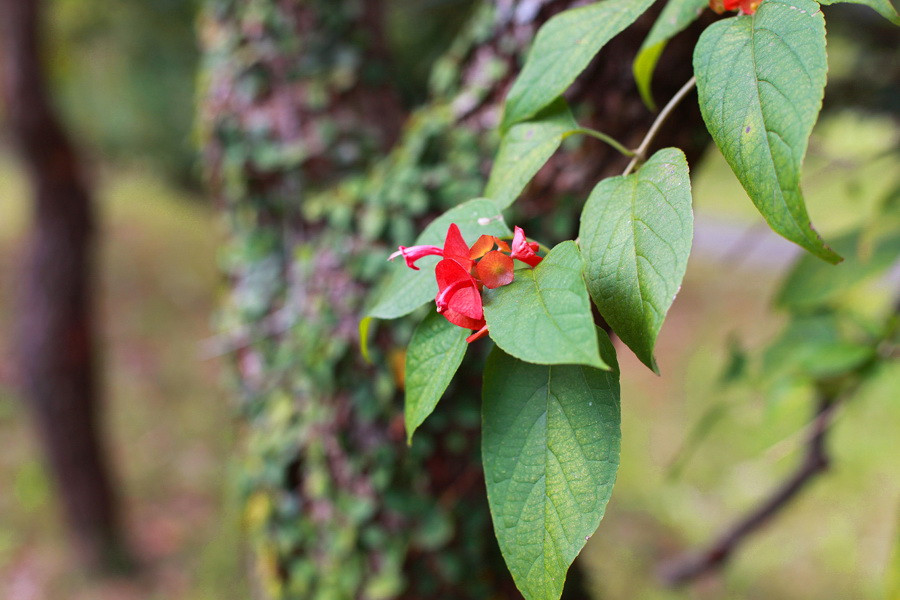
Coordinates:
[123,78]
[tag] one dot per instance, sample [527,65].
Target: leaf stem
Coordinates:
[616,145]
[640,153]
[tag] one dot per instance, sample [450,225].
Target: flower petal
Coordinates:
[478,334]
[462,320]
[414,253]
[467,301]
[495,269]
[481,247]
[457,290]
[524,250]
[455,247]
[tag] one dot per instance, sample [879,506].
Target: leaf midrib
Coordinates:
[556,324]
[782,196]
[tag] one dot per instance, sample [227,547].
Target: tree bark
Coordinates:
[56,336]
[319,168]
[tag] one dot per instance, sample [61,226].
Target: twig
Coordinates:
[683,570]
[614,143]
[640,153]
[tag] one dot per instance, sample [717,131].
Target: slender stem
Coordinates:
[618,147]
[640,153]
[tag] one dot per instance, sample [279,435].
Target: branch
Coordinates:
[613,142]
[641,153]
[683,570]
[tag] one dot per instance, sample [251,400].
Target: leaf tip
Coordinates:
[599,363]
[824,251]
[642,70]
[649,361]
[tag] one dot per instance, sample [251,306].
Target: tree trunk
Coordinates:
[56,340]
[299,118]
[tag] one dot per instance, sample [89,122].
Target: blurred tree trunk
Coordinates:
[56,338]
[320,169]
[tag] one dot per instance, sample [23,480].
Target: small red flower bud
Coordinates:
[524,250]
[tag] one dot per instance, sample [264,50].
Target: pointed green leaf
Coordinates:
[524,149]
[434,354]
[814,346]
[563,47]
[760,80]
[405,289]
[544,315]
[550,444]
[636,234]
[812,283]
[883,7]
[673,19]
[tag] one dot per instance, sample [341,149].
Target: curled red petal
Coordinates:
[462,320]
[444,294]
[524,250]
[478,334]
[414,253]
[457,290]
[495,269]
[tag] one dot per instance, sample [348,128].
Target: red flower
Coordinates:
[748,7]
[464,270]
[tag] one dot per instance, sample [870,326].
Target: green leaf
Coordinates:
[405,289]
[364,325]
[563,47]
[760,81]
[434,354]
[524,149]
[812,283]
[814,346]
[673,19]
[550,443]
[544,315]
[883,7]
[636,234]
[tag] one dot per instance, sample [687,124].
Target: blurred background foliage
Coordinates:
[124,72]
[123,76]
